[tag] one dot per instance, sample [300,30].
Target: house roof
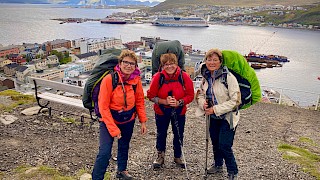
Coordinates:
[21,68]
[8,47]
[52,57]
[57,41]
[86,55]
[12,65]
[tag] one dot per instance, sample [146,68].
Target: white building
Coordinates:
[96,44]
[69,68]
[87,64]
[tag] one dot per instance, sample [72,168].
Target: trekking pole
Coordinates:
[174,115]
[207,144]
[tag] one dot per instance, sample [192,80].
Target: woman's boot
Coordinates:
[159,161]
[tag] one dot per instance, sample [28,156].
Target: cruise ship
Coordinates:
[180,21]
[113,21]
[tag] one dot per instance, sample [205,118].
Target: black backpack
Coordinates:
[244,85]
[102,68]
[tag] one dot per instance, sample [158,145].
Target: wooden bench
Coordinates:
[48,96]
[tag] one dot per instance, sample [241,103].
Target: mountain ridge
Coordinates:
[170,4]
[85,2]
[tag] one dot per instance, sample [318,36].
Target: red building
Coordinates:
[133,45]
[17,59]
[187,48]
[58,43]
[4,51]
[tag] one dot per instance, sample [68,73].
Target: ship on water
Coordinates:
[254,57]
[113,21]
[180,21]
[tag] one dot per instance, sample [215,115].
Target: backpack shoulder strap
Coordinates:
[134,86]
[224,76]
[115,79]
[161,80]
[180,78]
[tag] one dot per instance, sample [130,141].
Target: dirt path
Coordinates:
[39,140]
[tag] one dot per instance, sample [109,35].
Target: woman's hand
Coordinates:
[205,105]
[118,136]
[143,128]
[208,110]
[172,101]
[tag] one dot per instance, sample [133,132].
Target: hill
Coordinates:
[265,130]
[169,4]
[310,17]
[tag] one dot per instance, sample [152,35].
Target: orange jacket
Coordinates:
[114,100]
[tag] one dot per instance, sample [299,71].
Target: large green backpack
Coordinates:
[246,76]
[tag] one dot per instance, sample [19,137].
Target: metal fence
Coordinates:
[291,97]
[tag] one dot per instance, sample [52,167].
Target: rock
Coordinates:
[33,111]
[31,170]
[7,119]
[85,176]
[64,167]
[292,154]
[36,121]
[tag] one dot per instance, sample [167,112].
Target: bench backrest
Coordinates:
[57,85]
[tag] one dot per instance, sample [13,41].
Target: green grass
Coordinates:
[308,161]
[308,141]
[40,172]
[69,120]
[46,173]
[309,17]
[1,175]
[17,98]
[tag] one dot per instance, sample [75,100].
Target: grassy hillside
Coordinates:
[310,17]
[169,4]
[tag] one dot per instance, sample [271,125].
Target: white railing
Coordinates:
[292,97]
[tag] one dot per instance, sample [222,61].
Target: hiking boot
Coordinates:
[232,176]
[159,161]
[124,175]
[215,169]
[179,163]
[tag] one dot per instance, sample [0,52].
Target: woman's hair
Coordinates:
[214,51]
[128,53]
[168,57]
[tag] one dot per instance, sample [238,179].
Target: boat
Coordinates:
[258,65]
[173,21]
[262,58]
[113,21]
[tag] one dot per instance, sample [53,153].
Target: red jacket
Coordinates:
[176,87]
[114,99]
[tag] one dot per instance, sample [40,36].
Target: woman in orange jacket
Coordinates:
[119,108]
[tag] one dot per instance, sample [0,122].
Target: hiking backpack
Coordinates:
[164,47]
[101,69]
[163,81]
[245,75]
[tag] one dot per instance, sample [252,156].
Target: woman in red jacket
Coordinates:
[119,108]
[171,90]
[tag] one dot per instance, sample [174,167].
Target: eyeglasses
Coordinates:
[212,59]
[168,65]
[127,63]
